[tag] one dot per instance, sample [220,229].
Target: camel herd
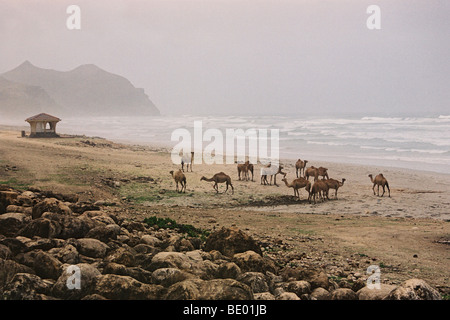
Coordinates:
[319,188]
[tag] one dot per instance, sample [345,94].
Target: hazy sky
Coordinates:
[247,56]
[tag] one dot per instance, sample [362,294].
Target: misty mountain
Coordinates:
[19,100]
[84,91]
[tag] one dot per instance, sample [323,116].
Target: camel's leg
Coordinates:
[383,189]
[373,189]
[378,190]
[232,188]
[387,185]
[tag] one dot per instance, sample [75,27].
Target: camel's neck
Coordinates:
[371,179]
[287,184]
[208,179]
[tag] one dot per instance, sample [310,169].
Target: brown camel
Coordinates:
[379,180]
[299,166]
[180,178]
[220,178]
[245,168]
[316,173]
[321,189]
[186,160]
[297,184]
[334,184]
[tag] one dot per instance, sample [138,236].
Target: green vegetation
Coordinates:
[172,224]
[16,184]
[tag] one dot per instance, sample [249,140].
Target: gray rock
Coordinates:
[414,289]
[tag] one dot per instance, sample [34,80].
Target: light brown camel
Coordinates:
[321,189]
[379,180]
[245,168]
[180,178]
[220,178]
[187,160]
[297,184]
[299,166]
[334,184]
[271,171]
[316,173]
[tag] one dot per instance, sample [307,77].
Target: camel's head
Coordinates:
[203,178]
[171,172]
[284,179]
[370,176]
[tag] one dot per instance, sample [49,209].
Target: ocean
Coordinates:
[420,143]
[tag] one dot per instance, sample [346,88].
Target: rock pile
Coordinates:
[42,239]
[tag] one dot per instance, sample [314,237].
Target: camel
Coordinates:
[187,160]
[379,180]
[179,177]
[245,168]
[271,171]
[299,166]
[220,178]
[334,184]
[320,188]
[298,184]
[316,172]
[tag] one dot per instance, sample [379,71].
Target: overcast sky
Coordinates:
[247,56]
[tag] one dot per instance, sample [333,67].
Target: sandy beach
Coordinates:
[407,234]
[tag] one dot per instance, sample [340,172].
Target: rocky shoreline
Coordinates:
[43,235]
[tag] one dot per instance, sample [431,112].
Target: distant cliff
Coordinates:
[84,91]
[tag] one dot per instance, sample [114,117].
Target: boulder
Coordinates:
[316,278]
[41,227]
[11,223]
[26,286]
[320,294]
[137,273]
[117,287]
[171,260]
[45,265]
[104,233]
[264,296]
[168,276]
[71,227]
[123,255]
[88,274]
[91,247]
[343,294]
[414,289]
[9,268]
[375,294]
[257,281]
[287,296]
[217,289]
[299,287]
[252,261]
[66,254]
[228,270]
[50,205]
[230,241]
[5,252]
